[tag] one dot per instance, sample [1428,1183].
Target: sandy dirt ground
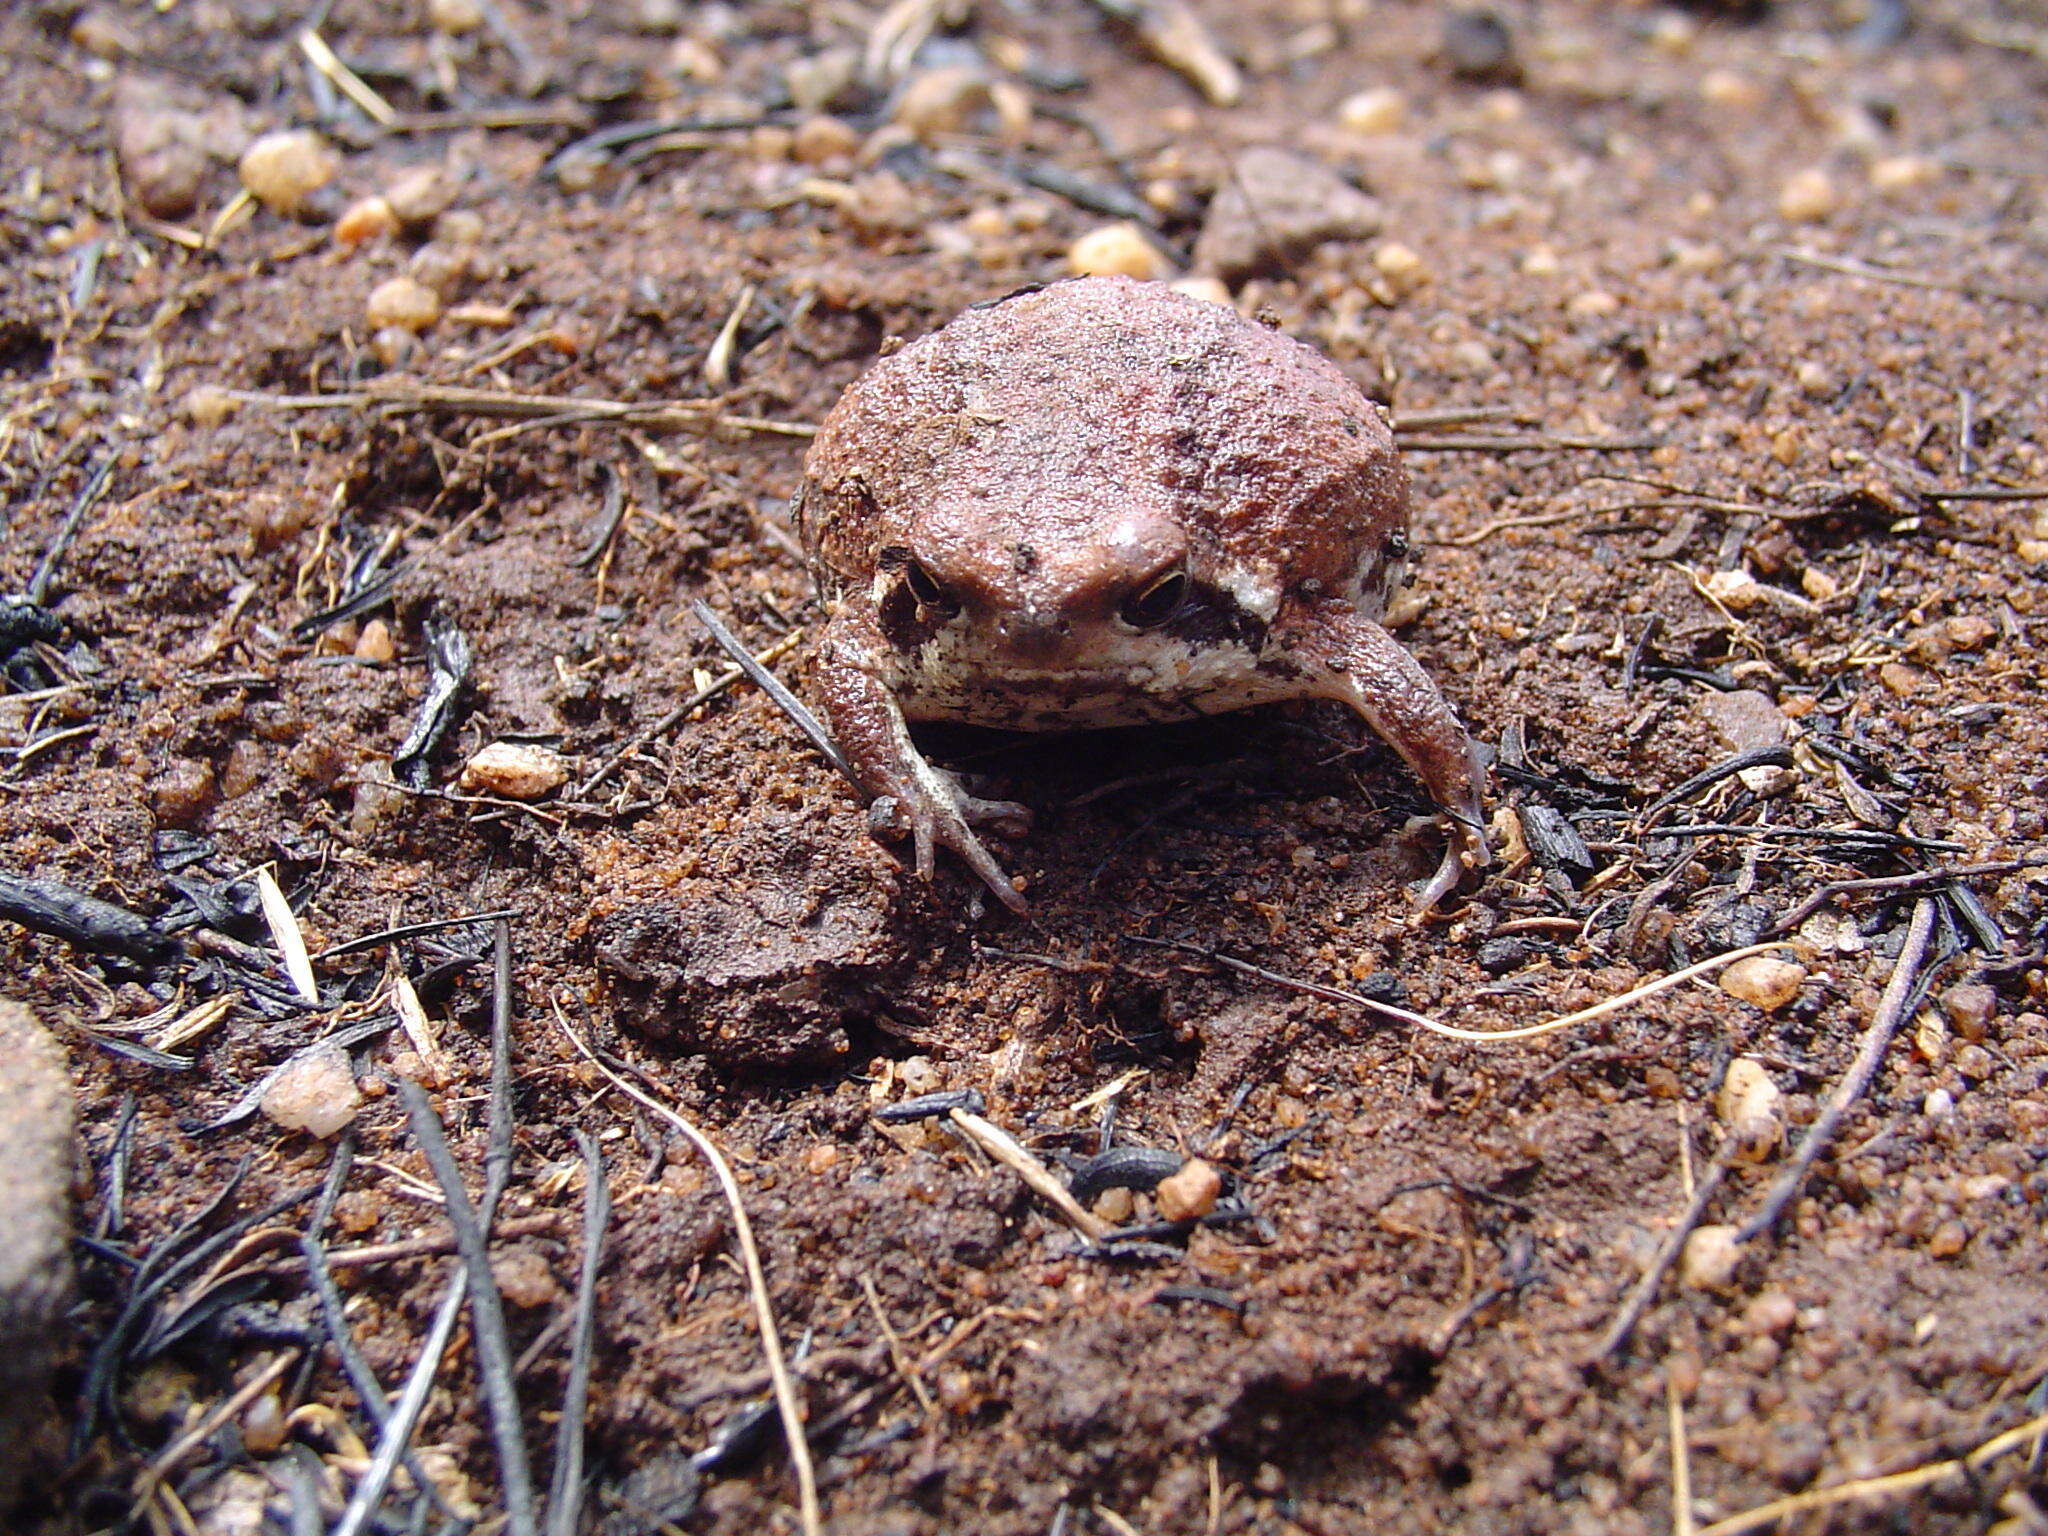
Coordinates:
[1714,340]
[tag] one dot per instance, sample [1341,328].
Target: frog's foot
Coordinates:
[931,808]
[1349,657]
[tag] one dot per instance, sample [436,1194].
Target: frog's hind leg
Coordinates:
[1348,657]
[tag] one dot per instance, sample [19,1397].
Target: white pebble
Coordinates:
[1380,110]
[515,770]
[1710,1259]
[316,1093]
[1807,197]
[1769,984]
[404,302]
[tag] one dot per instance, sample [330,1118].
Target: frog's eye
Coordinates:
[1155,602]
[924,586]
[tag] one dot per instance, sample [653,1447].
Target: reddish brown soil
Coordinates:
[1601,248]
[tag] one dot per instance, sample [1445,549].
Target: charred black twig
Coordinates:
[486,1311]
[1901,992]
[448,665]
[932,1106]
[771,685]
[1127,1167]
[1905,882]
[85,922]
[608,521]
[415,930]
[1756,757]
[1207,1295]
[1867,836]
[38,589]
[114,1212]
[565,1490]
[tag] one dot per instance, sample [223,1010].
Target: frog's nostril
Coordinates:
[1032,630]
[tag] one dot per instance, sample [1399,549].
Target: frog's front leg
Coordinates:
[909,796]
[1348,657]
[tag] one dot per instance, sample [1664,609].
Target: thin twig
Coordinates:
[46,569]
[1906,882]
[757,1280]
[772,685]
[1612,1005]
[565,1491]
[486,1312]
[1005,1149]
[1681,1460]
[703,416]
[405,1413]
[1891,1010]
[1892,1483]
[1667,1253]
[1850,268]
[414,930]
[669,721]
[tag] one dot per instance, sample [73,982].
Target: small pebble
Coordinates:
[263,1427]
[1274,207]
[1736,590]
[941,101]
[1902,173]
[1404,270]
[316,1093]
[403,302]
[1752,1108]
[1770,1312]
[443,268]
[375,644]
[283,170]
[1190,1193]
[1380,110]
[1710,1257]
[515,770]
[1478,46]
[1766,982]
[1594,303]
[420,195]
[183,793]
[455,17]
[824,80]
[459,229]
[524,1278]
[1210,290]
[1541,261]
[367,218]
[394,346]
[1949,1239]
[1117,250]
[1115,1206]
[822,139]
[1938,1105]
[1970,1009]
[1902,678]
[1807,197]
[208,405]
[1724,88]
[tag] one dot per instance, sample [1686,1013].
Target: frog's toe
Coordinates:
[932,823]
[1008,817]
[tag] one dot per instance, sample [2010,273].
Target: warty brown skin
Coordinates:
[1100,503]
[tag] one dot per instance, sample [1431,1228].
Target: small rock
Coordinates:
[1275,206]
[1210,290]
[1902,679]
[1403,270]
[1593,304]
[420,195]
[1725,88]
[515,770]
[1190,1193]
[1497,957]
[161,150]
[208,405]
[282,171]
[375,644]
[1752,1108]
[824,80]
[524,1278]
[1380,110]
[315,1093]
[1970,1008]
[394,346]
[1709,1259]
[821,139]
[1770,1312]
[941,101]
[1902,173]
[1745,719]
[1763,981]
[1735,590]
[183,793]
[459,229]
[455,17]
[1949,1239]
[263,1426]
[1807,197]
[367,218]
[1118,250]
[403,302]
[1938,1105]
[1479,47]
[35,1213]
